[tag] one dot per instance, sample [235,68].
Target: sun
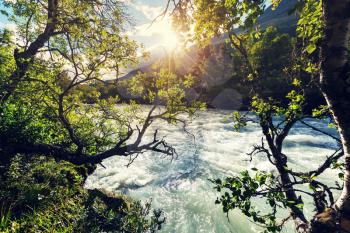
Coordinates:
[159,33]
[168,38]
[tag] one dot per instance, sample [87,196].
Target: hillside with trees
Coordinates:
[217,70]
[215,67]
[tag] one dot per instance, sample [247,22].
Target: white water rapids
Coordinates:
[181,187]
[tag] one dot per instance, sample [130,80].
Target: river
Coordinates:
[181,188]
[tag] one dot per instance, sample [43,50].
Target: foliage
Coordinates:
[310,27]
[310,31]
[241,190]
[48,114]
[167,89]
[45,98]
[41,195]
[224,16]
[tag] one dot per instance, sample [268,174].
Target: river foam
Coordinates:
[181,187]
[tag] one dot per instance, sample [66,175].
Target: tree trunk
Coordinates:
[281,161]
[301,224]
[335,85]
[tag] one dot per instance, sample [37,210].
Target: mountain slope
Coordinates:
[216,73]
[279,18]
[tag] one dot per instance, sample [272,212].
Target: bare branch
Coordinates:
[320,131]
[325,165]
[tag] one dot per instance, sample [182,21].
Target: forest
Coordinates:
[175,116]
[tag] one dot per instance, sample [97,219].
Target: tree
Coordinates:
[331,39]
[79,41]
[53,136]
[335,85]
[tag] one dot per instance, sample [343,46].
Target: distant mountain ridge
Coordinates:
[216,73]
[278,17]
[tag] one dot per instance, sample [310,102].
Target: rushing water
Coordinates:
[181,187]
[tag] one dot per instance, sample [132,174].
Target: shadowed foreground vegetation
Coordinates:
[42,195]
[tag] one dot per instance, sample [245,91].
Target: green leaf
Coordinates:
[3,12]
[311,48]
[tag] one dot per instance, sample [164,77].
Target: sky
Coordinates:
[143,12]
[158,33]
